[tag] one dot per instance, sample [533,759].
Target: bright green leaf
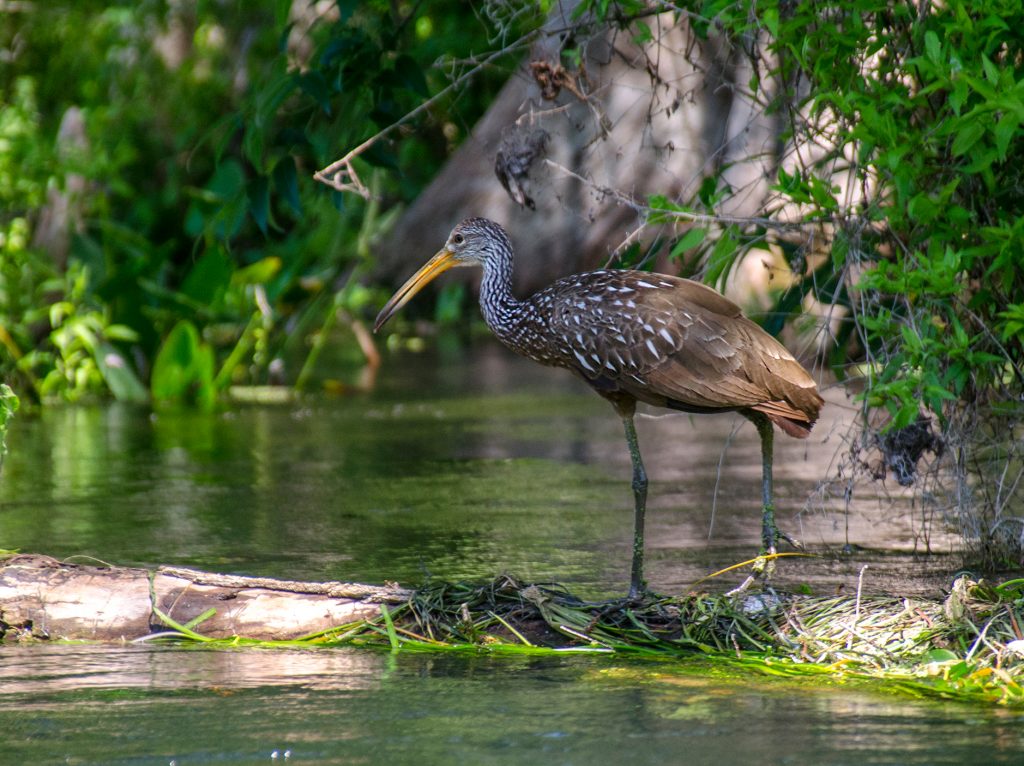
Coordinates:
[967,137]
[691,239]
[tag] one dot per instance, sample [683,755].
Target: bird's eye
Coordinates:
[458,239]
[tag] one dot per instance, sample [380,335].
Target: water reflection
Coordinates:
[34,671]
[90,705]
[461,465]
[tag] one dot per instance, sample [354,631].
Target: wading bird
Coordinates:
[637,336]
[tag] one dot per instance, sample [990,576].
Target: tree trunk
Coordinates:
[41,597]
[631,121]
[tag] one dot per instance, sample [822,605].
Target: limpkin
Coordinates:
[638,336]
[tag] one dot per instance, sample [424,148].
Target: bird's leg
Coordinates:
[769,531]
[636,582]
[764,568]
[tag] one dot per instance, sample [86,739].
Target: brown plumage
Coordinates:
[637,336]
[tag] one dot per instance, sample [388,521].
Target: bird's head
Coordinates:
[474,242]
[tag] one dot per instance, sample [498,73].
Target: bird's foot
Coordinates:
[637,597]
[762,569]
[791,540]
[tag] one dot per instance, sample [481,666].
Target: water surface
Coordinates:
[463,464]
[460,465]
[101,705]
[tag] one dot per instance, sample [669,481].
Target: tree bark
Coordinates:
[42,598]
[634,120]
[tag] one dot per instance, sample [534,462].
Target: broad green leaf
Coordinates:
[723,258]
[967,137]
[688,241]
[209,277]
[120,378]
[183,369]
[286,184]
[259,202]
[932,47]
[991,73]
[228,180]
[922,208]
[1005,131]
[258,273]
[314,85]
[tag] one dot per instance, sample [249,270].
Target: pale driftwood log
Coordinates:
[43,598]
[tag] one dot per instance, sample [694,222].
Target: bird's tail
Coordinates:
[794,422]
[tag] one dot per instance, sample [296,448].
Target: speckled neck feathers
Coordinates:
[497,303]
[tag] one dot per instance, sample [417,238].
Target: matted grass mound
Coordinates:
[967,647]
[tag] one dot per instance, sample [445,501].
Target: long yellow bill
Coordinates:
[440,263]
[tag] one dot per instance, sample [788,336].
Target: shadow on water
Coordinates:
[462,464]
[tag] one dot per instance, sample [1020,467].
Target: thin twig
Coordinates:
[687,215]
[342,176]
[856,607]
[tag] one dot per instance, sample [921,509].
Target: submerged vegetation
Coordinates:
[969,647]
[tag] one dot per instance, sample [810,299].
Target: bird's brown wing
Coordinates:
[676,343]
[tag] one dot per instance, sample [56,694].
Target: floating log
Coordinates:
[43,598]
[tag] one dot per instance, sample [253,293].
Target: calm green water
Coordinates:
[459,465]
[91,705]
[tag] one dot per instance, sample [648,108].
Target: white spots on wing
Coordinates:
[579,338]
[647,328]
[620,338]
[609,365]
[665,334]
[631,304]
[641,283]
[651,346]
[617,302]
[582,360]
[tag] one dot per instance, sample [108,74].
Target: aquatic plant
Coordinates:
[968,646]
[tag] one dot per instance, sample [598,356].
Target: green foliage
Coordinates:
[188,191]
[9,404]
[183,369]
[921,109]
[928,104]
[903,157]
[86,362]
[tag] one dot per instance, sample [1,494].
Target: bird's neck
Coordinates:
[499,307]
